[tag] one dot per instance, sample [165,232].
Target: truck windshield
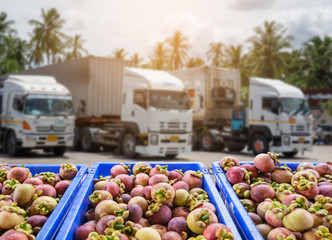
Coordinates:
[294,105]
[169,100]
[48,105]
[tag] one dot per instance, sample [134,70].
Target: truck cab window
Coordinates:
[140,98]
[271,105]
[0,103]
[18,103]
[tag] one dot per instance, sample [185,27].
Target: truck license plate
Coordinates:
[301,140]
[52,138]
[175,138]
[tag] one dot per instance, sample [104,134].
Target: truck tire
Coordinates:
[59,151]
[327,140]
[290,154]
[86,141]
[129,145]
[235,147]
[207,141]
[259,144]
[195,141]
[11,145]
[171,156]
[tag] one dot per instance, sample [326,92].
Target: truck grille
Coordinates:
[46,129]
[300,130]
[173,127]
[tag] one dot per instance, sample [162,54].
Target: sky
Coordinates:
[138,25]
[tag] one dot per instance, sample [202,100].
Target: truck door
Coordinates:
[14,111]
[270,113]
[139,110]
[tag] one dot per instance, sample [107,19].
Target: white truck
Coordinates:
[36,113]
[137,111]
[278,119]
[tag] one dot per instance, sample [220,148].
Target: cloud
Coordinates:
[306,23]
[251,4]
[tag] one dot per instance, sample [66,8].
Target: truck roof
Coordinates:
[35,83]
[154,79]
[281,88]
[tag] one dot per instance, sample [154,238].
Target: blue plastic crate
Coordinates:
[239,214]
[76,215]
[56,218]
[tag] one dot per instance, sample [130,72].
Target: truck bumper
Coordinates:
[167,144]
[294,143]
[44,141]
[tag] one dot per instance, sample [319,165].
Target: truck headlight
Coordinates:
[190,139]
[154,139]
[286,140]
[31,138]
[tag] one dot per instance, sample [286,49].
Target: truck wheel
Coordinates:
[327,140]
[86,141]
[259,144]
[129,145]
[11,145]
[59,151]
[171,156]
[77,142]
[290,154]
[195,142]
[207,141]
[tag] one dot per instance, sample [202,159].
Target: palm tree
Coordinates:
[76,44]
[136,59]
[234,57]
[216,53]
[179,49]
[268,49]
[160,56]
[119,53]
[195,62]
[46,36]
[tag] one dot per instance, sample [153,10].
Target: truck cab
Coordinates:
[157,113]
[36,112]
[279,118]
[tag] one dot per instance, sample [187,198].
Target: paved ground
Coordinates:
[319,154]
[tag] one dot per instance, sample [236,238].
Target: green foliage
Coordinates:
[178,50]
[245,96]
[195,62]
[328,105]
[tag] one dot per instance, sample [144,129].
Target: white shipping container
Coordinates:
[94,82]
[205,79]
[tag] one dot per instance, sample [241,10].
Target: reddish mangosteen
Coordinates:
[90,214]
[140,201]
[159,170]
[158,214]
[68,171]
[275,214]
[126,180]
[147,192]
[36,222]
[281,233]
[23,194]
[263,207]
[5,200]
[125,198]
[141,179]
[282,174]
[266,162]
[135,212]
[326,190]
[141,167]
[324,168]
[137,191]
[9,186]
[304,166]
[159,228]
[180,212]
[45,190]
[300,200]
[305,183]
[314,172]
[175,174]
[62,186]
[207,205]
[171,236]
[115,187]
[283,190]
[264,229]
[42,205]
[99,185]
[102,223]
[260,191]
[178,224]
[83,231]
[162,193]
[255,218]
[199,219]
[251,168]
[91,223]
[217,231]
[237,174]
[106,207]
[99,196]
[228,162]
[120,169]
[249,205]
[242,189]
[18,173]
[34,181]
[144,222]
[180,185]
[48,178]
[158,178]
[194,179]
[14,235]
[265,177]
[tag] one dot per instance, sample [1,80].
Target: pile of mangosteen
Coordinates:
[284,204]
[151,204]
[26,201]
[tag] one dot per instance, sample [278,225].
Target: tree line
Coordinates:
[268,52]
